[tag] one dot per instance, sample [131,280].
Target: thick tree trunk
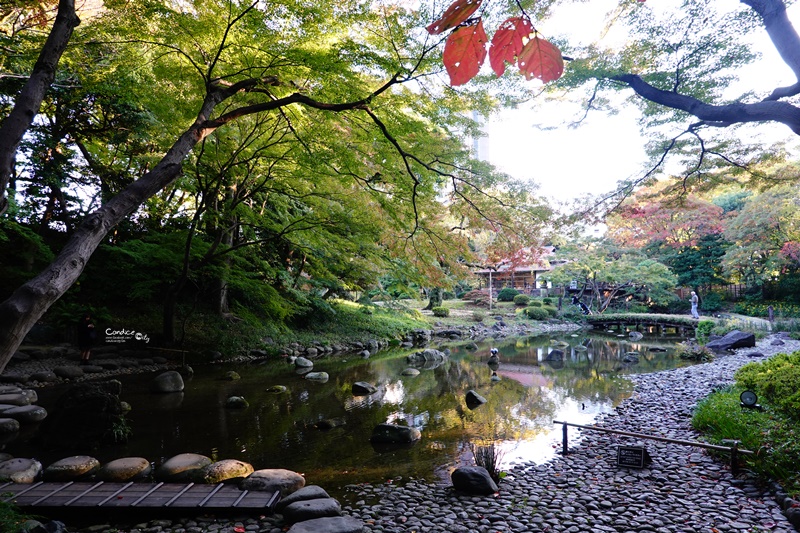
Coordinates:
[27,103]
[435,298]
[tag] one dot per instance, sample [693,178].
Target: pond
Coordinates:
[284,430]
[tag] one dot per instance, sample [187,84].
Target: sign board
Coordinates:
[632,456]
[573,285]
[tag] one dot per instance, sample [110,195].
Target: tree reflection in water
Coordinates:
[285,430]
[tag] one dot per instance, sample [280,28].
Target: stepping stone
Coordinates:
[125,469]
[26,414]
[310,492]
[9,426]
[20,470]
[273,480]
[9,389]
[71,468]
[182,468]
[68,372]
[44,377]
[225,470]
[338,524]
[311,509]
[15,398]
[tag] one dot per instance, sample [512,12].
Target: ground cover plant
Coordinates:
[773,432]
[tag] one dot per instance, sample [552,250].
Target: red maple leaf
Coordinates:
[458,12]
[541,59]
[507,43]
[464,53]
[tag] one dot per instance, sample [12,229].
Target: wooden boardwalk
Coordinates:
[150,496]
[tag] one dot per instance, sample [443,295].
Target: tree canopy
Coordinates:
[251,145]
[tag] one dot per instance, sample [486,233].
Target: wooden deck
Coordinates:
[151,496]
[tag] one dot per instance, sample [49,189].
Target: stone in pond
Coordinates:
[225,470]
[8,426]
[166,382]
[125,469]
[393,433]
[310,492]
[71,468]
[26,414]
[236,402]
[16,398]
[20,470]
[362,388]
[183,467]
[273,480]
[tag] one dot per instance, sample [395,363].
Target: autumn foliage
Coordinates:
[515,42]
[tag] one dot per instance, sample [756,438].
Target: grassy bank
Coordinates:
[773,432]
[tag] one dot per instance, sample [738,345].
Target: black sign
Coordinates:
[632,456]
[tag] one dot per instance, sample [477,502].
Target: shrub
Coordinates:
[704,329]
[638,308]
[777,379]
[551,310]
[478,316]
[477,297]
[535,303]
[537,313]
[547,301]
[507,294]
[521,299]
[694,352]
[441,311]
[713,301]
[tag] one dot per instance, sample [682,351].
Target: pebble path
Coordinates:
[684,490]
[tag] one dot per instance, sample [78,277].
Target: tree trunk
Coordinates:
[435,298]
[20,312]
[29,100]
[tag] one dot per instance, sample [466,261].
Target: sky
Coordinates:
[570,162]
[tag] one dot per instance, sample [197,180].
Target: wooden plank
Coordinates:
[146,494]
[128,496]
[162,496]
[142,495]
[241,496]
[51,493]
[210,494]
[84,493]
[198,494]
[179,494]
[224,498]
[35,485]
[115,493]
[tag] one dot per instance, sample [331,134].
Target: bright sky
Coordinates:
[568,163]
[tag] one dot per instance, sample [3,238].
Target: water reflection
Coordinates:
[323,431]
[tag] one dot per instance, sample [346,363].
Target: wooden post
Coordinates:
[564,440]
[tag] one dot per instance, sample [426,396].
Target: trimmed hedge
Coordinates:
[507,294]
[441,312]
[521,300]
[537,313]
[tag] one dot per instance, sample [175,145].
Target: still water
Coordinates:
[284,430]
